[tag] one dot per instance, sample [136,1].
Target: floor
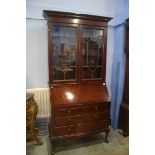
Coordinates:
[94,145]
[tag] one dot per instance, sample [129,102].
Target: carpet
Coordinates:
[93,145]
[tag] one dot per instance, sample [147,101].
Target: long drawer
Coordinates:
[80,128]
[79,110]
[78,119]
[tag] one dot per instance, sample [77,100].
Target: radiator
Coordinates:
[42,98]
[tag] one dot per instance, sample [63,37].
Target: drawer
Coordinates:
[63,121]
[60,112]
[79,110]
[92,127]
[62,131]
[89,118]
[80,128]
[74,120]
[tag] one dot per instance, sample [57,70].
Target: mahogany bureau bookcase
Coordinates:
[80,103]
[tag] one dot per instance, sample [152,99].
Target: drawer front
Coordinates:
[79,110]
[92,126]
[62,131]
[60,112]
[80,128]
[89,118]
[64,121]
[74,120]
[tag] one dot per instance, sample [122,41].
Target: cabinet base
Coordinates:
[53,142]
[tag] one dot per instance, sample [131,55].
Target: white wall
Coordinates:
[36,54]
[96,7]
[37,61]
[121,11]
[110,51]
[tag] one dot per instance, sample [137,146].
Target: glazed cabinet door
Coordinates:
[93,53]
[63,52]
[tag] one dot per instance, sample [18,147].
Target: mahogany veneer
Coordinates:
[79,110]
[80,103]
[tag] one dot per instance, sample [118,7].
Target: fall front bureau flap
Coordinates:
[81,93]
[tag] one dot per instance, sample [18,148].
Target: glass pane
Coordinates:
[92,53]
[64,53]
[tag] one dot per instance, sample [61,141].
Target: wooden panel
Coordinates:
[89,118]
[50,13]
[82,93]
[74,120]
[63,121]
[79,110]
[60,113]
[73,17]
[93,126]
[77,21]
[124,118]
[85,127]
[88,109]
[62,131]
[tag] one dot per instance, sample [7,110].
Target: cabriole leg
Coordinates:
[52,147]
[106,136]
